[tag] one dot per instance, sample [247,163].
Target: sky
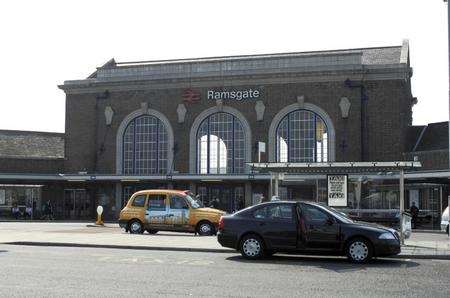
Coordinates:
[44,43]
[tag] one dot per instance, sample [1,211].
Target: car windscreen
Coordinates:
[194,204]
[340,215]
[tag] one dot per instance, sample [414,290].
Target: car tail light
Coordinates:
[221,223]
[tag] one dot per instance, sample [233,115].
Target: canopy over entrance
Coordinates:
[335,167]
[278,171]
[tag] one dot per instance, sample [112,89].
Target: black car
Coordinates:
[305,228]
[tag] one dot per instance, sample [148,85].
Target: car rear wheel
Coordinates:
[205,229]
[359,250]
[135,227]
[252,247]
[152,231]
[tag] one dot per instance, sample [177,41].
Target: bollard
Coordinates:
[99,216]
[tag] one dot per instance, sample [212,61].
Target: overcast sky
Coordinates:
[44,42]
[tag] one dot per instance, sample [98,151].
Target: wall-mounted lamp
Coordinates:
[345,105]
[109,113]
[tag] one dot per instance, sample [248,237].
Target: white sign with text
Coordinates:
[337,190]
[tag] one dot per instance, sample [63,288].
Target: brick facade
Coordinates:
[36,166]
[91,144]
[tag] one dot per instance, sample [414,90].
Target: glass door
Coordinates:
[224,197]
[77,204]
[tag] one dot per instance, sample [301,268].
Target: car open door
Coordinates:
[318,230]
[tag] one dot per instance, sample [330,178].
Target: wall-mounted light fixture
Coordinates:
[345,105]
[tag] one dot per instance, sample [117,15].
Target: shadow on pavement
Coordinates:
[337,264]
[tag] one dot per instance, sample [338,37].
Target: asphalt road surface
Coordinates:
[78,272]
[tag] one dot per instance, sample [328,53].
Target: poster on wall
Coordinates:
[337,190]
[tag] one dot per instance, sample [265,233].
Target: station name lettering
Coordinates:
[234,95]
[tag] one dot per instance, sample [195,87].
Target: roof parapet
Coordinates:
[110,63]
[404,55]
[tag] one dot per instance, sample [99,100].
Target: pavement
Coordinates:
[108,236]
[421,245]
[427,244]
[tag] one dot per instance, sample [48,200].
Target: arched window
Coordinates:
[145,146]
[302,136]
[220,145]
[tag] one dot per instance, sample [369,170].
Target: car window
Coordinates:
[260,213]
[177,202]
[286,211]
[157,202]
[311,213]
[139,201]
[274,212]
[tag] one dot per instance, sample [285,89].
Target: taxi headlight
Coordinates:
[386,236]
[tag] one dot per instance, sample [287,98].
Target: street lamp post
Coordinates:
[402,205]
[448,40]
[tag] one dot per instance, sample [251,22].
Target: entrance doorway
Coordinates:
[77,204]
[229,198]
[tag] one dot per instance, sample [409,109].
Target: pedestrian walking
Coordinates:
[414,210]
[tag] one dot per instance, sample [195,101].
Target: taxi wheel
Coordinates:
[152,232]
[135,227]
[205,228]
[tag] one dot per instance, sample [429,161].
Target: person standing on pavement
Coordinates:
[48,211]
[28,213]
[15,211]
[414,210]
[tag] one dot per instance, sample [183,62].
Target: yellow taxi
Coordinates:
[167,210]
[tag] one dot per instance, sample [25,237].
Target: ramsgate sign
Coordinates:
[244,94]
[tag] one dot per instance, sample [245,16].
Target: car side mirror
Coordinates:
[329,221]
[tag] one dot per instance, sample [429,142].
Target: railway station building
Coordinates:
[196,124]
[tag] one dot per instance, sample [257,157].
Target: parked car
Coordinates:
[167,210]
[445,220]
[306,228]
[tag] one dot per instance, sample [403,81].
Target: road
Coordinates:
[77,272]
